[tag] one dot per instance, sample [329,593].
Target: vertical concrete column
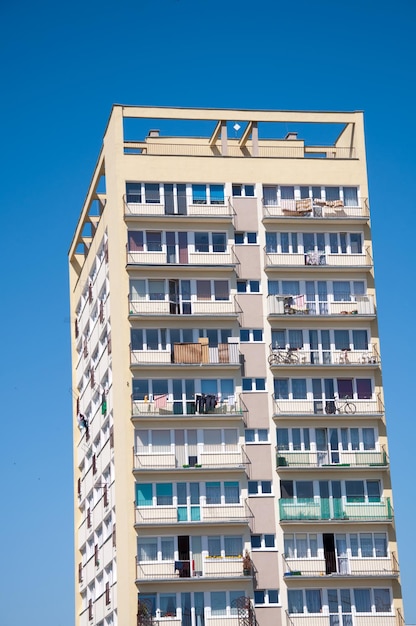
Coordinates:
[255,138]
[224,138]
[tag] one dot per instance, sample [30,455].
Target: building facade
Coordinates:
[230,449]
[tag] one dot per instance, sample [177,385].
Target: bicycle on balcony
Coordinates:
[284,356]
[341,406]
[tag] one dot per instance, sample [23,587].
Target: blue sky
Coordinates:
[62,67]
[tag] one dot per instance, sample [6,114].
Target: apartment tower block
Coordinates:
[230,449]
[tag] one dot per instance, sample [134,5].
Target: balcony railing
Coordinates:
[341,566]
[214,567]
[134,206]
[317,259]
[193,258]
[331,458]
[309,208]
[313,509]
[211,308]
[189,354]
[328,407]
[352,619]
[160,407]
[208,457]
[300,305]
[195,514]
[279,151]
[292,356]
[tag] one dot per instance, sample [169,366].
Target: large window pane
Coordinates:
[152,193]
[218,603]
[362,600]
[164,494]
[216,193]
[364,389]
[213,492]
[295,600]
[313,600]
[156,289]
[232,492]
[199,194]
[233,546]
[382,600]
[148,549]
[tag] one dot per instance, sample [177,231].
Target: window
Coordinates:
[233,546]
[133,192]
[294,388]
[300,545]
[266,596]
[282,243]
[248,286]
[213,492]
[247,334]
[362,490]
[148,549]
[256,435]
[207,194]
[167,603]
[243,190]
[218,603]
[373,545]
[210,242]
[254,384]
[245,238]
[232,492]
[304,601]
[152,193]
[259,487]
[262,542]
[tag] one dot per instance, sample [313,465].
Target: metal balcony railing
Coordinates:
[303,356]
[189,354]
[158,406]
[133,205]
[163,307]
[311,208]
[206,567]
[317,508]
[195,514]
[339,406]
[340,566]
[301,305]
[204,149]
[319,258]
[331,458]
[352,619]
[193,258]
[205,457]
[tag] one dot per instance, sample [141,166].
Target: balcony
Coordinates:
[331,458]
[347,619]
[294,357]
[197,308]
[193,514]
[379,567]
[209,567]
[315,209]
[234,149]
[305,408]
[330,509]
[154,407]
[207,457]
[317,260]
[200,354]
[160,259]
[133,206]
[299,305]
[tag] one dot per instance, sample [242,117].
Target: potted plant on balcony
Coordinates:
[247,564]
